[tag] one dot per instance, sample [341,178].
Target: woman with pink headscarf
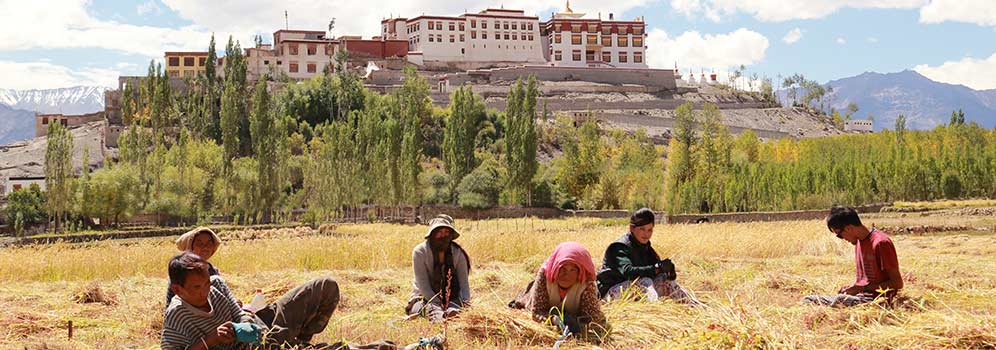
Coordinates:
[564,291]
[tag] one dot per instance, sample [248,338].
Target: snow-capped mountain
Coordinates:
[17,107]
[74,100]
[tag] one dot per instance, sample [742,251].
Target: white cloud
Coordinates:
[979,74]
[361,17]
[692,50]
[981,12]
[783,10]
[792,36]
[148,7]
[67,24]
[872,40]
[43,75]
[841,41]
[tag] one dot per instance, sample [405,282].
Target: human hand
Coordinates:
[666,267]
[852,290]
[224,334]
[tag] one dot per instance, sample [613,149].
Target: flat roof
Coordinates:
[180,53]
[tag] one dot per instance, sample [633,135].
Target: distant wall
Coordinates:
[661,78]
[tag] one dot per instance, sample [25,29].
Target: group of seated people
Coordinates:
[567,291]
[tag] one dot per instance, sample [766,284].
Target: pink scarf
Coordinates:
[569,252]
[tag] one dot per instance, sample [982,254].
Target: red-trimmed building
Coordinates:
[574,41]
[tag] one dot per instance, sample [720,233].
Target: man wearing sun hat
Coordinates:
[441,269]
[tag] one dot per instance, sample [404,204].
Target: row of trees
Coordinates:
[711,171]
[220,146]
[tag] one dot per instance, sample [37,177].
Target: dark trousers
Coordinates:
[302,312]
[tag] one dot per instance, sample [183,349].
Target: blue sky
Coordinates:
[62,43]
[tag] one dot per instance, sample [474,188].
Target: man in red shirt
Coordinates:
[877,268]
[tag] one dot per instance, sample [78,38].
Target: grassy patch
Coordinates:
[751,277]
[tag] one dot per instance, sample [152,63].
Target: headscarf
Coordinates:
[568,253]
[186,240]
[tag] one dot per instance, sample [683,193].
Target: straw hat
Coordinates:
[441,220]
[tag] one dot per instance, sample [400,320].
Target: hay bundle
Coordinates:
[93,293]
[502,323]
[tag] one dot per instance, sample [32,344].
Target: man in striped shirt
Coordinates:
[201,315]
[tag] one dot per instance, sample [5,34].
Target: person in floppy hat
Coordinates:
[201,241]
[441,286]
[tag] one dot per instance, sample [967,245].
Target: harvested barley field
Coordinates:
[751,277]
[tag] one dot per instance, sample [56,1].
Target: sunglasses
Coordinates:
[839,233]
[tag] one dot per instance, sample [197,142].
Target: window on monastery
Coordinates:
[452,28]
[638,57]
[577,55]
[174,61]
[293,67]
[432,25]
[203,60]
[576,39]
[312,67]
[638,41]
[606,56]
[452,39]
[622,57]
[556,38]
[473,23]
[592,39]
[461,26]
[623,41]
[607,40]
[461,38]
[312,49]
[557,56]
[473,34]
[293,49]
[188,61]
[589,56]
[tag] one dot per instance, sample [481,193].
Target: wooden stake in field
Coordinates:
[69,326]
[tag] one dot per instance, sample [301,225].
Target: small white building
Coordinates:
[491,36]
[11,184]
[863,125]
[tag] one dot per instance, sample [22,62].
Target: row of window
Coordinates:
[473,35]
[312,49]
[623,57]
[453,26]
[605,29]
[186,73]
[592,39]
[293,67]
[187,61]
[64,122]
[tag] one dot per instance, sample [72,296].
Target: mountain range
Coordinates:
[18,107]
[925,103]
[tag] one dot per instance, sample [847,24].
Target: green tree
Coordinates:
[266,138]
[25,207]
[58,172]
[467,110]
[521,139]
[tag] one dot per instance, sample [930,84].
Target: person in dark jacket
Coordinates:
[630,266]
